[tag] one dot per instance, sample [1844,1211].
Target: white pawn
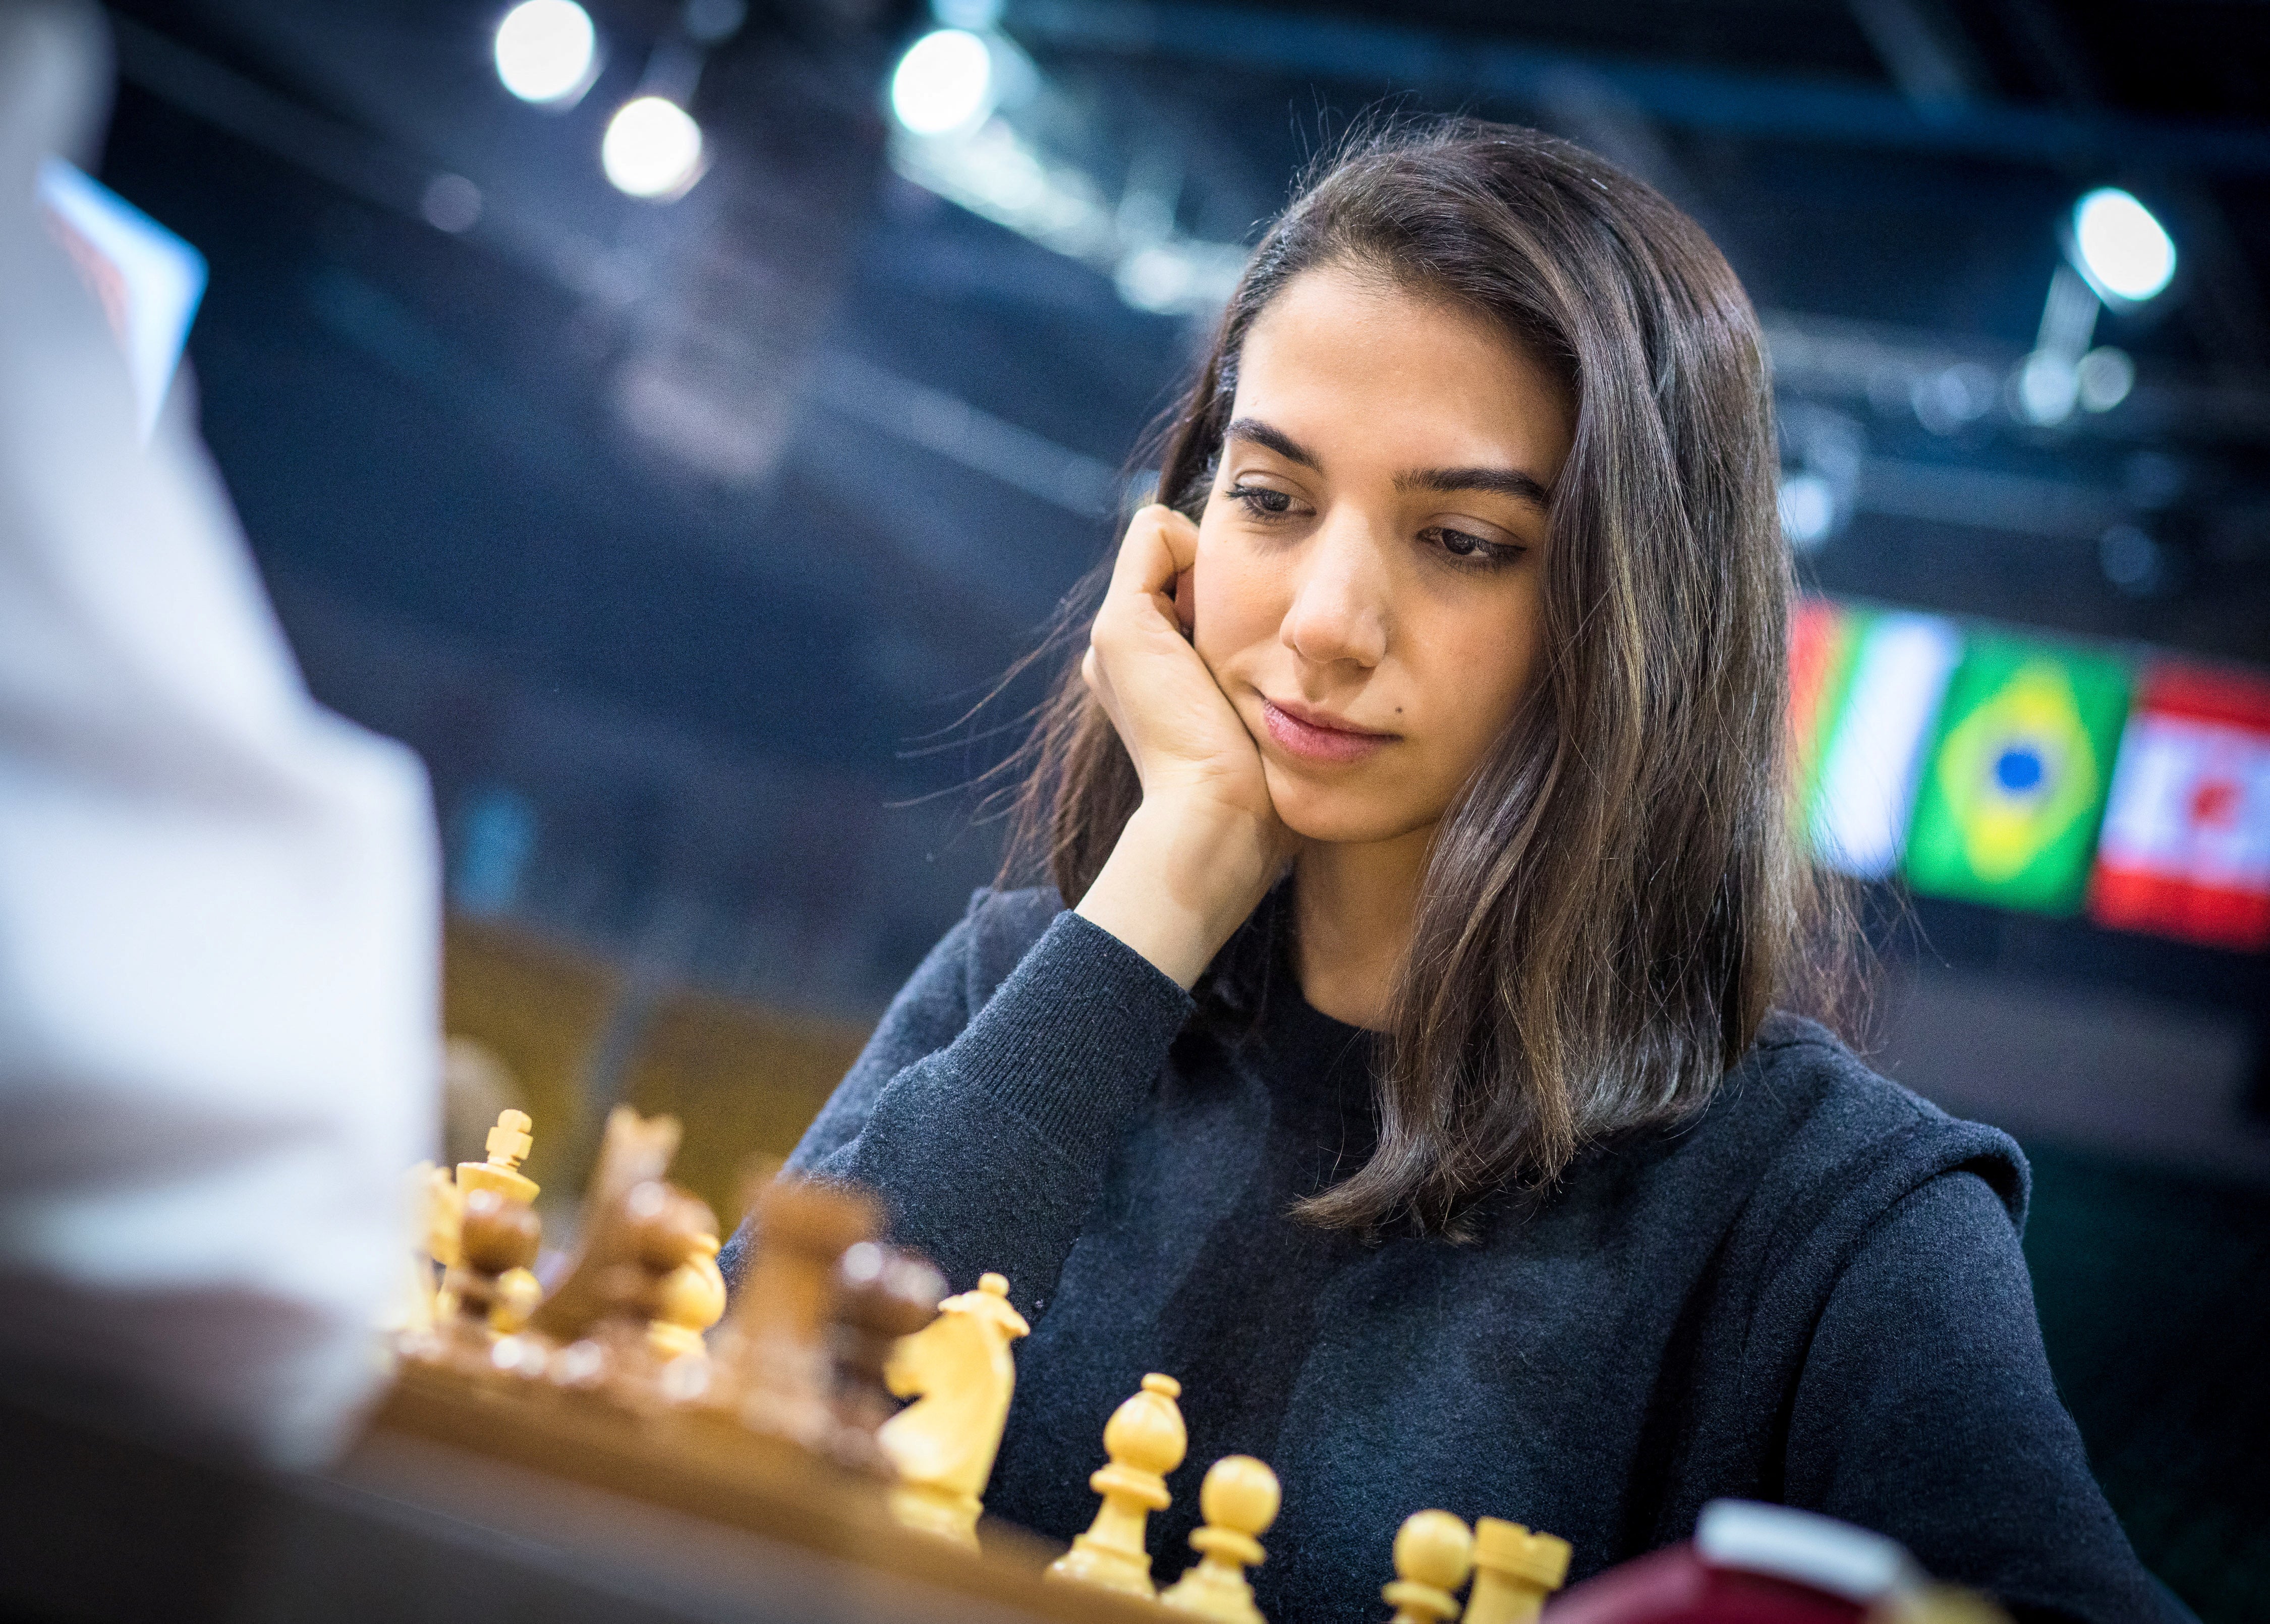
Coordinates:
[1146,1440]
[1239,1500]
[1434,1553]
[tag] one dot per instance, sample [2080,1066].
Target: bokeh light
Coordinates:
[2125,252]
[1809,510]
[944,82]
[545,50]
[652,149]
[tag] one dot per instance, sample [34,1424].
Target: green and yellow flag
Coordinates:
[2007,811]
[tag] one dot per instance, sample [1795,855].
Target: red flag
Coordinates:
[2185,847]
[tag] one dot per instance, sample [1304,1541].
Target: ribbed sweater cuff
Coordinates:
[1076,1036]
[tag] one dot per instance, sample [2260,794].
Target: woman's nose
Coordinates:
[1339,608]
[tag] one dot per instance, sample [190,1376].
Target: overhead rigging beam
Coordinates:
[1773,105]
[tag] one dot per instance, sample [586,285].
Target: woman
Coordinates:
[1392,1060]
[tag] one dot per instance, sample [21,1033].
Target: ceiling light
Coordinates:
[944,82]
[2125,253]
[652,149]
[545,50]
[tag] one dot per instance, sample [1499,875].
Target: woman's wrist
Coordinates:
[1180,881]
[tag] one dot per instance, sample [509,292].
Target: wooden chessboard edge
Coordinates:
[741,1480]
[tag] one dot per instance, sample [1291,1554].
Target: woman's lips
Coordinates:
[1315,742]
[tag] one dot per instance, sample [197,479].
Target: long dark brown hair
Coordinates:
[1614,899]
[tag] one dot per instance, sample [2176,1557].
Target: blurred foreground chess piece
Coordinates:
[435,1207]
[634,1150]
[692,1299]
[497,1237]
[1239,1500]
[771,1354]
[1434,1553]
[960,1376]
[641,1244]
[1514,1572]
[881,1294]
[509,1145]
[638,1232]
[1146,1440]
[441,1207]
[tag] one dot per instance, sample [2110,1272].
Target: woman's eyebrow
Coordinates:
[1275,439]
[1501,481]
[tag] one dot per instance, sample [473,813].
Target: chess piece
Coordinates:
[882,1294]
[664,1230]
[435,1208]
[634,1150]
[518,1293]
[772,1353]
[498,1235]
[1239,1500]
[692,1300]
[1514,1572]
[509,1143]
[1434,1553]
[637,1244]
[440,1205]
[1146,1441]
[959,1373]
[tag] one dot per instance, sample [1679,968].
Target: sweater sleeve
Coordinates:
[987,1130]
[1926,1410]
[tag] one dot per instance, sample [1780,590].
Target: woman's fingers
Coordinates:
[1148,578]
[1178,727]
[1159,545]
[1180,535]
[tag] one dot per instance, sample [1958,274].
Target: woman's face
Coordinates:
[1371,557]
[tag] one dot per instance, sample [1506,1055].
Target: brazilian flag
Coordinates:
[2007,811]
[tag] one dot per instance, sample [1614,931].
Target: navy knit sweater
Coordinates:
[1813,1293]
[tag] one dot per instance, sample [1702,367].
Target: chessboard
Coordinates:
[619,1440]
[831,1420]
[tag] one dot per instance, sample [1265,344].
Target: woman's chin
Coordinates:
[1341,819]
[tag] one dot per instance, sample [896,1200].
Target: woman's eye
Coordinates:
[1261,499]
[1460,544]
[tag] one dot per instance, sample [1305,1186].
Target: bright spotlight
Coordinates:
[2124,251]
[652,149]
[545,50]
[944,82]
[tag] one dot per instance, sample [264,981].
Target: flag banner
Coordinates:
[1883,678]
[1816,655]
[2186,850]
[1819,650]
[2008,811]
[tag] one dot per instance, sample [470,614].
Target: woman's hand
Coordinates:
[1187,746]
[1206,844]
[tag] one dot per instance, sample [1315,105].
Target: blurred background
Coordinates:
[671,419]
